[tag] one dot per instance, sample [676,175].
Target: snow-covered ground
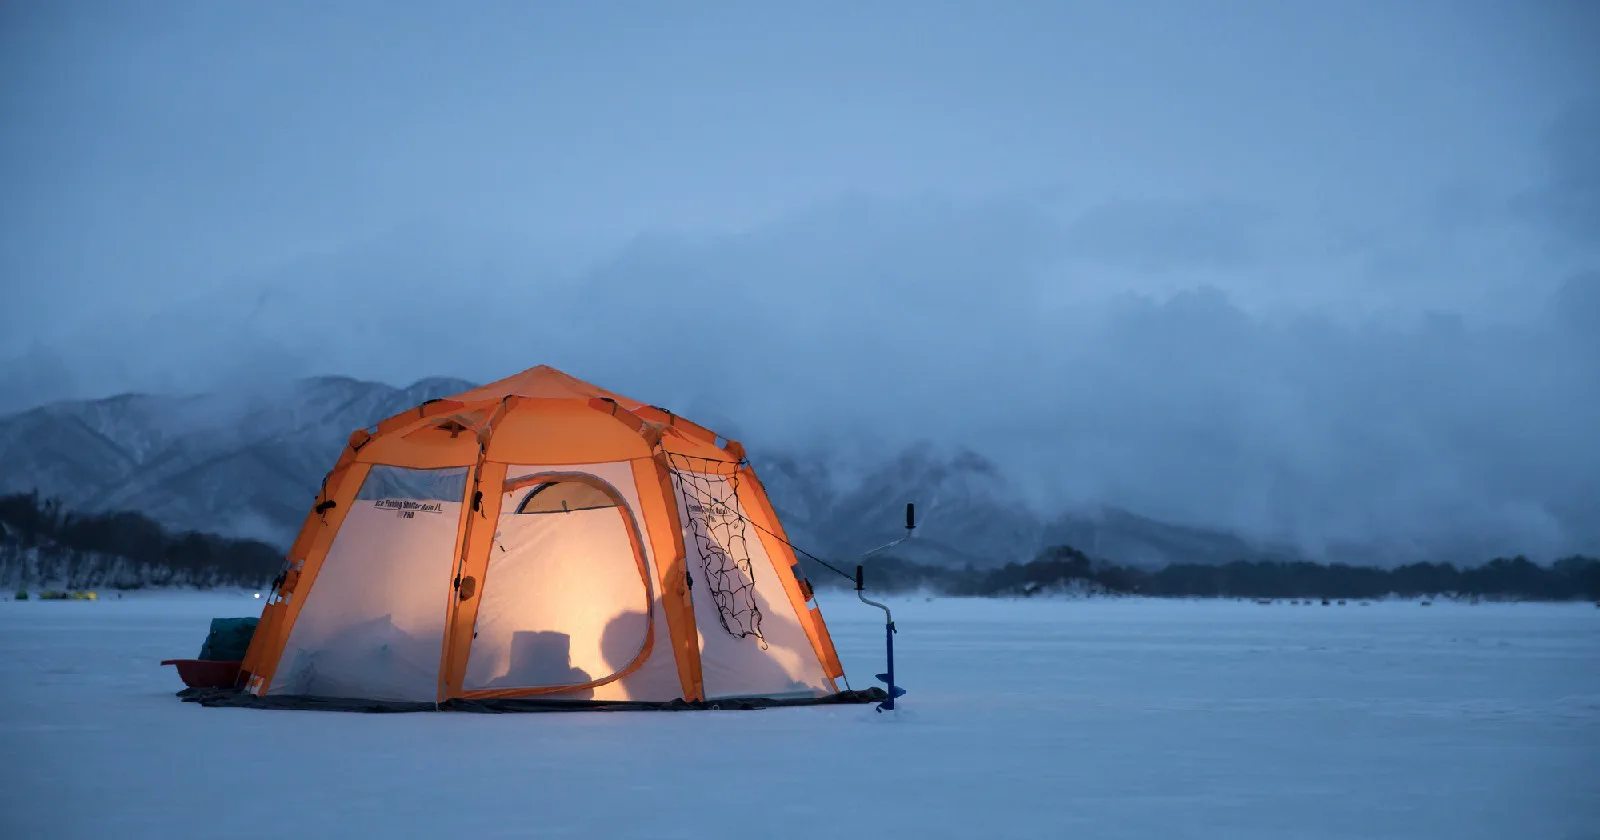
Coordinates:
[1049,719]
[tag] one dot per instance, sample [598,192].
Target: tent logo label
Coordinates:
[712,511]
[408,509]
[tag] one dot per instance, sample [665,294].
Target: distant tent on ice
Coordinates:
[541,538]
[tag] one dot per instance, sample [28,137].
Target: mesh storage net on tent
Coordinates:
[718,533]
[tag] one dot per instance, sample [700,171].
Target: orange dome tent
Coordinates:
[541,539]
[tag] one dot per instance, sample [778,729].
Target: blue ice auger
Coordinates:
[887,678]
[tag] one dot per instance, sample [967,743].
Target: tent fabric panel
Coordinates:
[272,613]
[541,382]
[561,432]
[565,603]
[779,660]
[323,527]
[373,625]
[655,676]
[427,448]
[525,482]
[776,543]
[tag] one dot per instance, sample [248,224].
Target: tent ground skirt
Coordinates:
[236,698]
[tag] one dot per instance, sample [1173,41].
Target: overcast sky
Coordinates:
[1341,260]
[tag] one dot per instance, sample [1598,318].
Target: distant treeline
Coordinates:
[43,545]
[1063,568]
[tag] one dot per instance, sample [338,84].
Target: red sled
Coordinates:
[206,673]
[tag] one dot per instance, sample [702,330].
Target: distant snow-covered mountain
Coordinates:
[249,464]
[243,465]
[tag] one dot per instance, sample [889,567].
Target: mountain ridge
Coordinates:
[248,465]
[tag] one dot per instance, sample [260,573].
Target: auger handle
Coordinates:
[887,677]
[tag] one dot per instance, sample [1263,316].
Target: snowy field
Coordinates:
[1049,719]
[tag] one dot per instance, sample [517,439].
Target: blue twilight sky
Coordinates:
[1303,268]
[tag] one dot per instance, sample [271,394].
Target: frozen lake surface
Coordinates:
[1048,719]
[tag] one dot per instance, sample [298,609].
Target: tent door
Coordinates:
[564,599]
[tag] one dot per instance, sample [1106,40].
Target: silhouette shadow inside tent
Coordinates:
[542,658]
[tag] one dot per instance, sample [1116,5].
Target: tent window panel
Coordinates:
[441,485]
[564,497]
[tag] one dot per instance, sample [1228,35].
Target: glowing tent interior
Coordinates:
[541,541]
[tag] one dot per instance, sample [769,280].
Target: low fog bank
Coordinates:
[1016,326]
